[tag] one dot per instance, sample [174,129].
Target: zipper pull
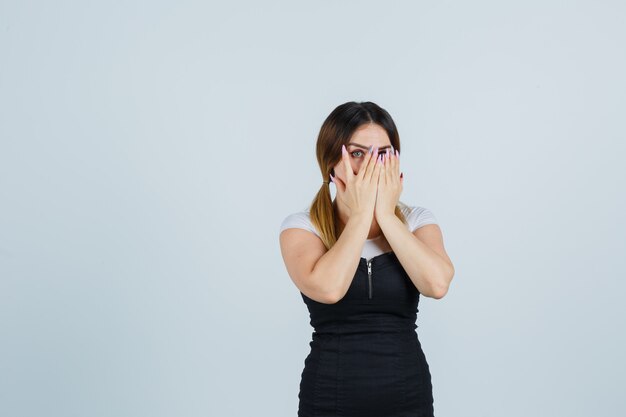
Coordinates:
[369,277]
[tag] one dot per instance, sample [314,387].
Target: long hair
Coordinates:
[336,131]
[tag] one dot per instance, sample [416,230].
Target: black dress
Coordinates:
[365,358]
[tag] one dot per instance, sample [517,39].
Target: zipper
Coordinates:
[369,277]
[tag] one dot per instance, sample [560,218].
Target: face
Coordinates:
[370,134]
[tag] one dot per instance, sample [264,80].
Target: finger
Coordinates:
[383,169]
[378,169]
[345,158]
[365,169]
[371,164]
[341,186]
[391,166]
[396,162]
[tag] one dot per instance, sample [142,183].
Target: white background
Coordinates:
[150,150]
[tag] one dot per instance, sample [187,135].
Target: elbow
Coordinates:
[440,287]
[329,299]
[439,292]
[333,297]
[327,296]
[322,297]
[331,293]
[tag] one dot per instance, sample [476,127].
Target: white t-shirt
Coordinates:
[416,217]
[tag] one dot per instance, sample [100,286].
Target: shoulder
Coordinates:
[298,220]
[418,216]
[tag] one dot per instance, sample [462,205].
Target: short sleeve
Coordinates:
[300,220]
[420,216]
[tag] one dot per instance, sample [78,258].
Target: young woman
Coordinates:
[361,263]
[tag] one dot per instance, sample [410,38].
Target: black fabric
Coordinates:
[366,358]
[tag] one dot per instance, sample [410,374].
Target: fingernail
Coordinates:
[401,175]
[380,158]
[371,149]
[343,149]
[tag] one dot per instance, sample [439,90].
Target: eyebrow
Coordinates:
[366,147]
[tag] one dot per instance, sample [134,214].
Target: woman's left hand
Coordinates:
[389,185]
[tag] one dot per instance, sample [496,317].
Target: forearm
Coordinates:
[428,271]
[335,270]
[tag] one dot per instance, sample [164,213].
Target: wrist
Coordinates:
[385,218]
[360,219]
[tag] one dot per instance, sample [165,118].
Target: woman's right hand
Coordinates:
[358,192]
